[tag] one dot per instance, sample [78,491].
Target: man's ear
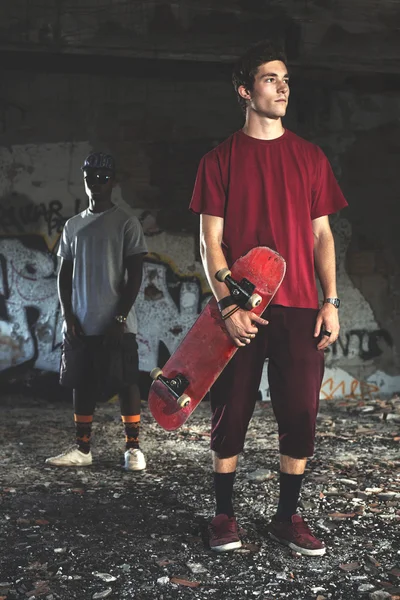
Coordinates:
[244,92]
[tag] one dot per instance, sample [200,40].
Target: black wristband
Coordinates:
[230,313]
[225,302]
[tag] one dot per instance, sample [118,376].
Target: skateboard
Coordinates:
[187,376]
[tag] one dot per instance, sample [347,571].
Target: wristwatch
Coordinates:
[120,319]
[334,301]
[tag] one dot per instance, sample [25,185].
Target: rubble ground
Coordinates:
[100,532]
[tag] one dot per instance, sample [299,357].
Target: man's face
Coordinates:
[270,94]
[99,183]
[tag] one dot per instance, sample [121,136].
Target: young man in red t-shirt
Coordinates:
[265,186]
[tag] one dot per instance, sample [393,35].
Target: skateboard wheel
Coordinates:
[222,274]
[155,373]
[183,400]
[253,301]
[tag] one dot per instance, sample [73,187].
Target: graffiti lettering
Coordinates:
[365,344]
[354,389]
[16,219]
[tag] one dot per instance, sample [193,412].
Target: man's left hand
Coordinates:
[327,325]
[114,334]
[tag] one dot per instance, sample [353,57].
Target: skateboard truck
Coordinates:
[177,385]
[242,292]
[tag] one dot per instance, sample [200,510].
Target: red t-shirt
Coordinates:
[268,192]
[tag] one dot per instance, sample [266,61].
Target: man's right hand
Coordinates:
[72,327]
[241,325]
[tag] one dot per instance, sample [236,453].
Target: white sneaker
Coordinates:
[71,458]
[134,460]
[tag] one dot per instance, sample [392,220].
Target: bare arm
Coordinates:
[134,268]
[324,255]
[325,264]
[211,230]
[240,325]
[64,287]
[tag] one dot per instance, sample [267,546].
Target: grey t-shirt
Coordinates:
[98,243]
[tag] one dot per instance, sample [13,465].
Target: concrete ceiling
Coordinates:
[348,35]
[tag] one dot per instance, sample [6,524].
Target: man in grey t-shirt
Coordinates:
[101,250]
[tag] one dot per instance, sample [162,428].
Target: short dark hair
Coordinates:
[247,66]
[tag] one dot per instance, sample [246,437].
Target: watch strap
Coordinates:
[230,313]
[225,302]
[334,301]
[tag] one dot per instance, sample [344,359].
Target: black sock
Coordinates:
[223,485]
[289,492]
[83,432]
[132,428]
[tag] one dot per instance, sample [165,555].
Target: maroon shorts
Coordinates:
[295,372]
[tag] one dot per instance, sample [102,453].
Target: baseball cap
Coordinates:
[99,160]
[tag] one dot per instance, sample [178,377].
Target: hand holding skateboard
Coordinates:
[209,345]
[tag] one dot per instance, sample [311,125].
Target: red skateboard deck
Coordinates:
[207,347]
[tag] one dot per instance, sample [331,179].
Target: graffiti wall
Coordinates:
[30,324]
[33,209]
[40,187]
[29,311]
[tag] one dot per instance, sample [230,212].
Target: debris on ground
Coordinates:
[100,532]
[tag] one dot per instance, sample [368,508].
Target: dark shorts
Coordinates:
[295,372]
[87,362]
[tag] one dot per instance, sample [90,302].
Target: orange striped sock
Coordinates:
[83,431]
[132,427]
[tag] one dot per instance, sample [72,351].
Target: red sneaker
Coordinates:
[297,535]
[223,534]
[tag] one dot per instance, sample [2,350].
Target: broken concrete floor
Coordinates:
[99,532]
